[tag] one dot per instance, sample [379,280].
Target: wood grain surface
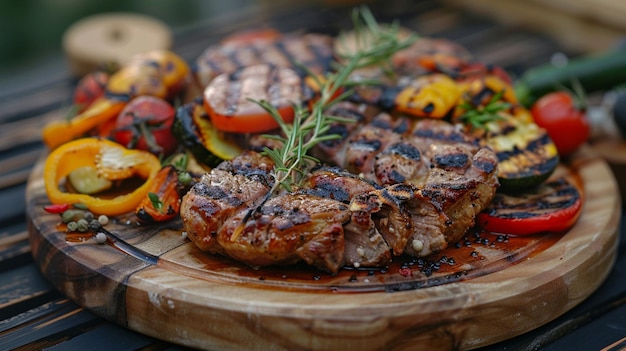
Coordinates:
[153,280]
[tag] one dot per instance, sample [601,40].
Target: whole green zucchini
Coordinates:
[595,73]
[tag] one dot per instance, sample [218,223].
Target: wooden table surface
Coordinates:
[33,315]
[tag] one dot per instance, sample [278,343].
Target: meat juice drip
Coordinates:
[477,253]
[461,261]
[78,237]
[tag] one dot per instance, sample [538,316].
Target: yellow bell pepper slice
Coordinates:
[113,161]
[430,96]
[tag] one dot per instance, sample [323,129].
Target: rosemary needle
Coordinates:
[375,46]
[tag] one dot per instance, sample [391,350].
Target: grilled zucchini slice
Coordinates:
[193,129]
[526,154]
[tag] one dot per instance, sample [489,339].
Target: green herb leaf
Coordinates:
[480,116]
[156,202]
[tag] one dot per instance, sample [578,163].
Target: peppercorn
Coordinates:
[72,226]
[103,220]
[82,225]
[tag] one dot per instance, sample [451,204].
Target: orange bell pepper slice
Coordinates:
[166,189]
[113,161]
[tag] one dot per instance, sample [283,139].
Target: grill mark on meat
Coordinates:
[362,148]
[385,121]
[334,151]
[364,245]
[366,145]
[398,163]
[329,190]
[234,94]
[312,50]
[343,129]
[486,166]
[447,136]
[289,217]
[460,160]
[405,150]
[287,229]
[338,129]
[289,56]
[228,188]
[218,194]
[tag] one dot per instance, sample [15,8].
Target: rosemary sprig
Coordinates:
[310,126]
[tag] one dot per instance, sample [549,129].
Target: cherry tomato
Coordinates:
[146,124]
[559,113]
[89,88]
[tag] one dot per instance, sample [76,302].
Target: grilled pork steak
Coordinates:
[364,245]
[435,179]
[221,193]
[285,229]
[311,50]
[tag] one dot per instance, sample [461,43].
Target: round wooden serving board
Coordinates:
[484,290]
[614,152]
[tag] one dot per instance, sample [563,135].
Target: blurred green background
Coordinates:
[32,30]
